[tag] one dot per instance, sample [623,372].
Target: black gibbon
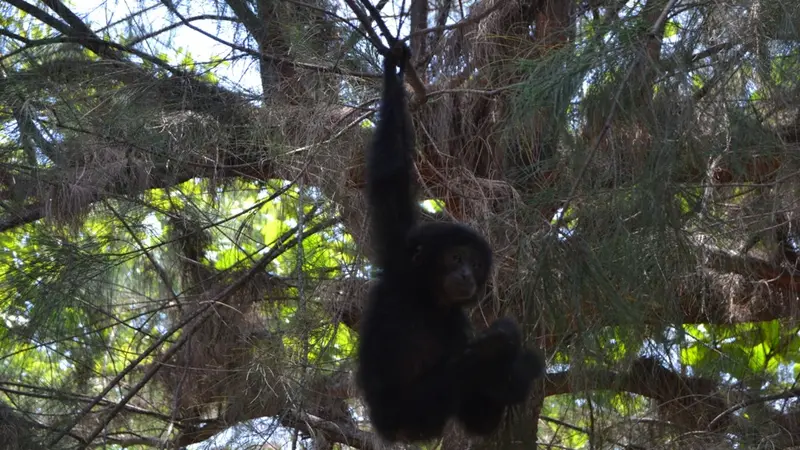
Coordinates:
[419,364]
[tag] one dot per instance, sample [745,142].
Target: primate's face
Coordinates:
[461,271]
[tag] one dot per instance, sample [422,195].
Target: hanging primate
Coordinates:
[419,364]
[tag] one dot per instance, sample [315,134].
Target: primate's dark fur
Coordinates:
[418,362]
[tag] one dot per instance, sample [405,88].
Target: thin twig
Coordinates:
[462,23]
[367,23]
[268,57]
[376,16]
[411,74]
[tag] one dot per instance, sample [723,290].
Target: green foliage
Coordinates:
[671,28]
[784,69]
[434,205]
[744,351]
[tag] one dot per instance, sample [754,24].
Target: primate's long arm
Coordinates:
[390,192]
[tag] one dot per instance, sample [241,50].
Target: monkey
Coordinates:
[419,364]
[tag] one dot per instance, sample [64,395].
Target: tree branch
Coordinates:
[333,432]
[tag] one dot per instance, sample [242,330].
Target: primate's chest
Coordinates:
[439,334]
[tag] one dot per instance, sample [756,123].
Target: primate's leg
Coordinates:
[479,414]
[514,386]
[487,394]
[492,351]
[503,338]
[496,365]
